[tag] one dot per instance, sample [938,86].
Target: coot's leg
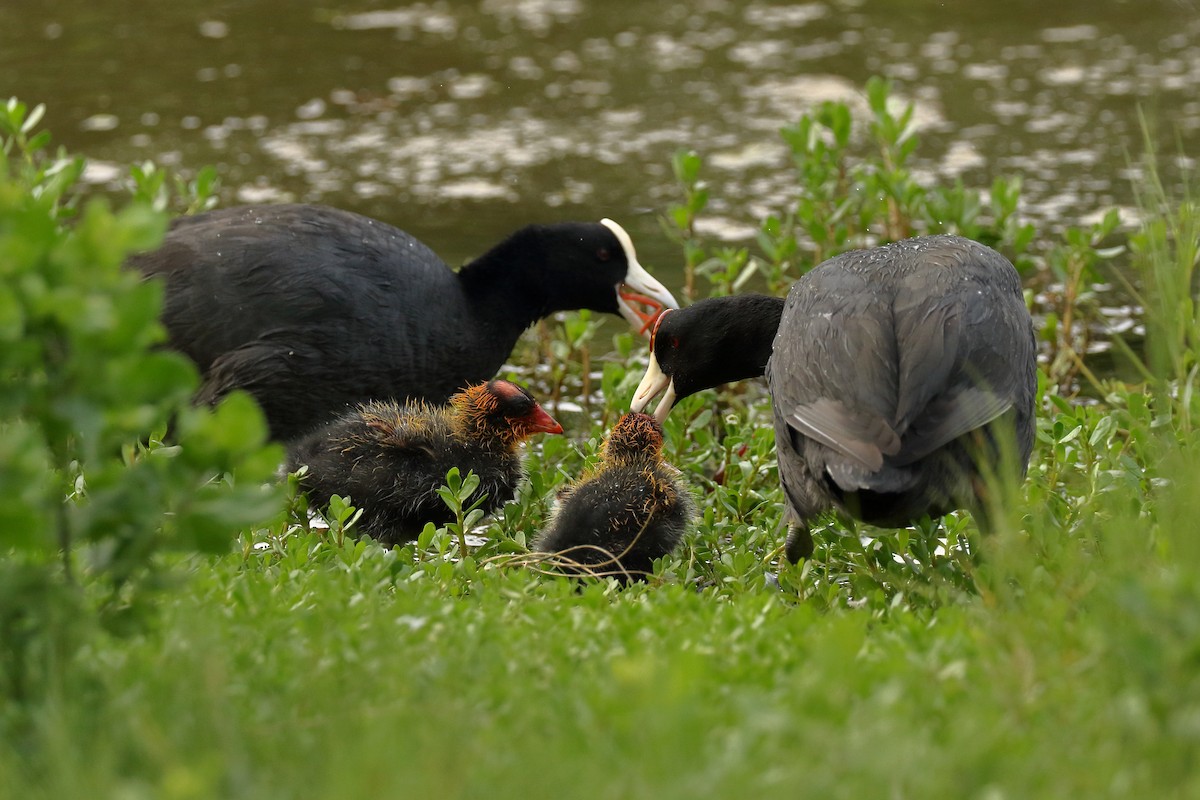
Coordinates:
[799,543]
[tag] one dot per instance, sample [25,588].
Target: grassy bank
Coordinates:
[177,631]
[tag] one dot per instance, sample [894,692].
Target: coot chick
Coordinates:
[630,509]
[391,458]
[313,310]
[900,377]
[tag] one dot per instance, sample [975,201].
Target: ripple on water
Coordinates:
[1074,33]
[102,173]
[788,97]
[542,102]
[100,122]
[961,156]
[775,17]
[536,16]
[412,19]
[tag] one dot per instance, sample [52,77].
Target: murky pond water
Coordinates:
[462,121]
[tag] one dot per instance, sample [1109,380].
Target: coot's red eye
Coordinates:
[674,342]
[603,254]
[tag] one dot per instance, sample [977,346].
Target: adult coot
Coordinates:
[312,310]
[391,458]
[900,376]
[632,508]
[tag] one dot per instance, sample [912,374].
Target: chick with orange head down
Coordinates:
[629,510]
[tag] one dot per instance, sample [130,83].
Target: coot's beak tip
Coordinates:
[653,383]
[665,405]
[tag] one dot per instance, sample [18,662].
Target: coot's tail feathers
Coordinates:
[849,477]
[948,418]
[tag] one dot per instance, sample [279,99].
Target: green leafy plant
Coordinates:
[458,494]
[824,209]
[681,218]
[341,516]
[86,393]
[1165,252]
[1075,265]
[152,186]
[567,346]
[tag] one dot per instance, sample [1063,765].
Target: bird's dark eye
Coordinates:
[519,406]
[674,342]
[604,254]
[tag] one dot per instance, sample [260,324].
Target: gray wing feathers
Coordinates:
[951,417]
[863,437]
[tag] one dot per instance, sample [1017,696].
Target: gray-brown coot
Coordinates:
[900,377]
[312,310]
[391,458]
[630,509]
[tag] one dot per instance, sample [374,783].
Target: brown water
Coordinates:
[462,121]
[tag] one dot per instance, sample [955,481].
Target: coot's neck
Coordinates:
[503,283]
[743,331]
[759,324]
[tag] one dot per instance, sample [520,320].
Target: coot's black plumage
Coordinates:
[900,376]
[391,458]
[312,310]
[632,508]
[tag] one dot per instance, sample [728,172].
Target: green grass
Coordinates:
[158,658]
[1062,659]
[325,671]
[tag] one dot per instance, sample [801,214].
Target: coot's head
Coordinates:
[594,266]
[502,410]
[634,436]
[715,341]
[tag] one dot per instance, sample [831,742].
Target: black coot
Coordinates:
[632,508]
[391,458]
[312,310]
[900,377]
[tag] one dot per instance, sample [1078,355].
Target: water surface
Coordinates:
[462,121]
